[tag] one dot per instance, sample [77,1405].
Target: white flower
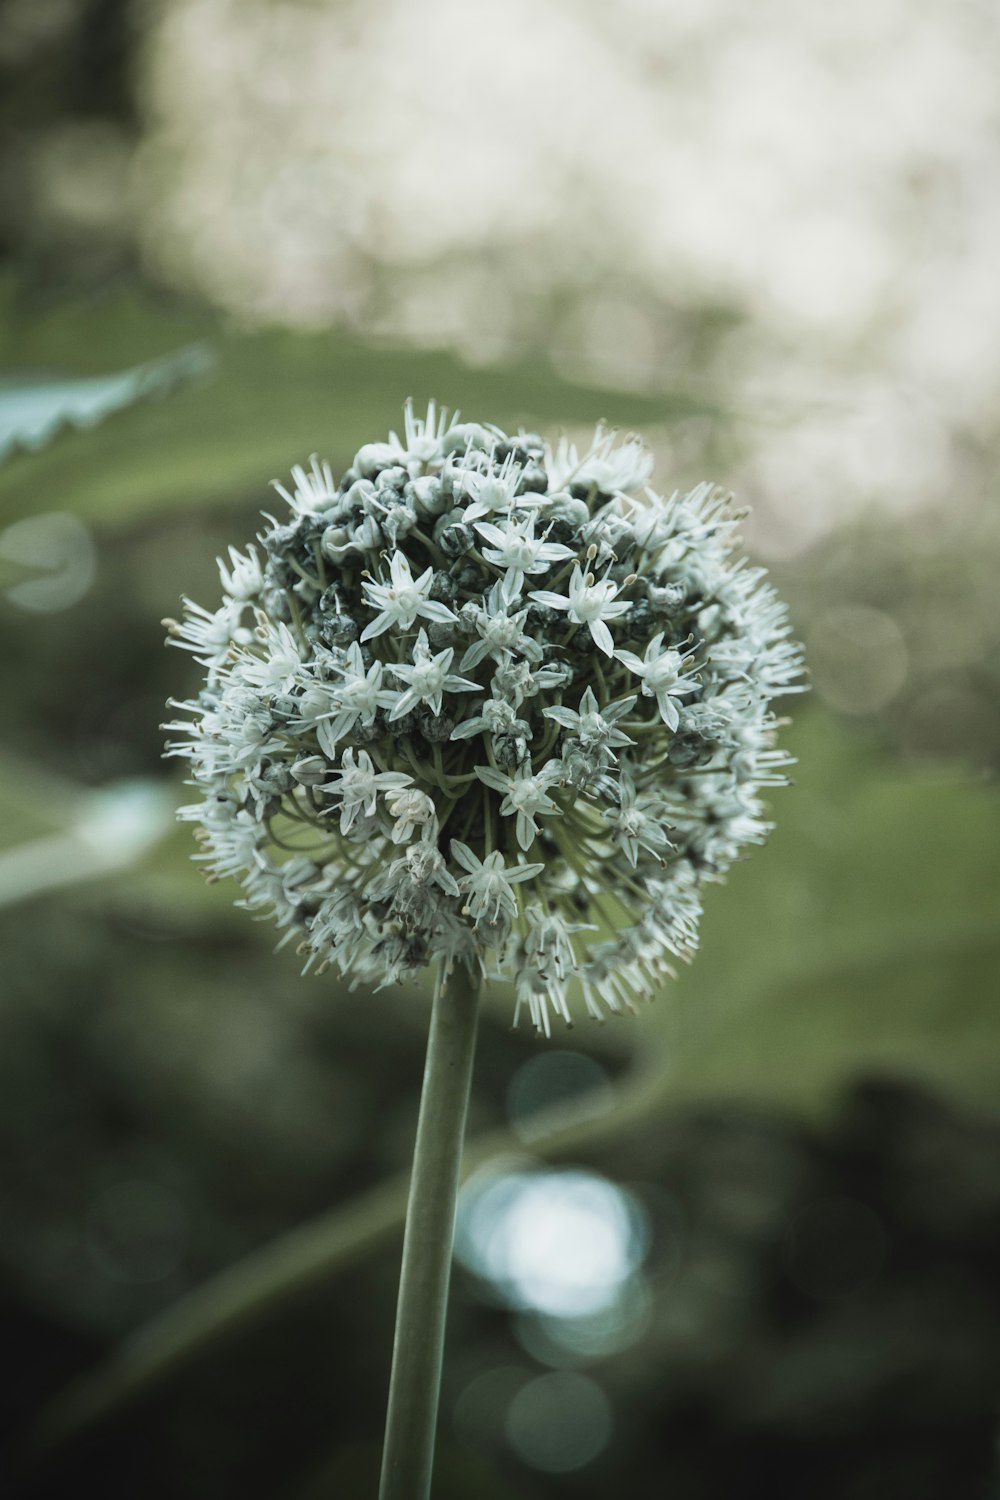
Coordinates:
[524,796]
[235,844]
[516,680]
[538,993]
[500,632]
[516,548]
[548,944]
[243,579]
[496,717]
[660,671]
[546,962]
[650,519]
[314,491]
[331,800]
[428,678]
[589,603]
[357,785]
[411,809]
[423,436]
[495,491]
[397,521]
[488,885]
[400,601]
[209,637]
[637,823]
[280,666]
[610,469]
[594,727]
[338,542]
[356,698]
[413,884]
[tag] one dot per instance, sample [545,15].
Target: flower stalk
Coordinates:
[414,1387]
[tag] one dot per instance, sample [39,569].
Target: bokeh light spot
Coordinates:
[59,551]
[560,1078]
[559,1422]
[556,1242]
[564,1342]
[857,657]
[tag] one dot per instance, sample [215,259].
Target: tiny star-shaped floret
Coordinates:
[428,678]
[358,784]
[594,727]
[495,493]
[589,603]
[500,631]
[524,796]
[487,886]
[661,676]
[517,549]
[636,823]
[400,601]
[356,698]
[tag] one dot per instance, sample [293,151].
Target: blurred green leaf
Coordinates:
[864,937]
[35,408]
[277,396]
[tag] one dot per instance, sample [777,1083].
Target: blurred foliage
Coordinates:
[33,410]
[154,1046]
[68,123]
[276,395]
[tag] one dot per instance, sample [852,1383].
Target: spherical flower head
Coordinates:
[486,702]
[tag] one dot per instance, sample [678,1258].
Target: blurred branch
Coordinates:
[242,1295]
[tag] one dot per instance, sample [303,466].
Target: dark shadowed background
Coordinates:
[746,1244]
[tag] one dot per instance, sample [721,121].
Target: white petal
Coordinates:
[564,716]
[407,700]
[467,729]
[377,626]
[473,655]
[432,610]
[464,855]
[496,779]
[668,710]
[553,601]
[603,638]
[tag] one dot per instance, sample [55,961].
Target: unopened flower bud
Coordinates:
[311,770]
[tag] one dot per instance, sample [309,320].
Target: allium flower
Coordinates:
[660,671]
[484,702]
[403,598]
[519,551]
[588,603]
[427,679]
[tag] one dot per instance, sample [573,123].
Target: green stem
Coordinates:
[414,1387]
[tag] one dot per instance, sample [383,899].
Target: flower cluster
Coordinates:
[487,702]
